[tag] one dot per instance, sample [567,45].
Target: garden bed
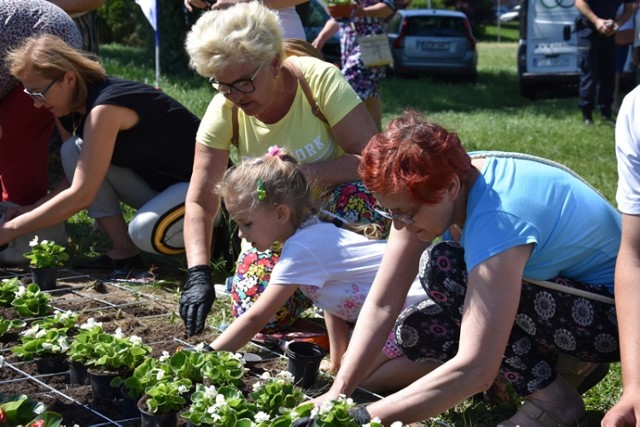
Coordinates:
[136,308]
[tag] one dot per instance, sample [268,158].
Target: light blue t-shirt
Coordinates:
[575,232]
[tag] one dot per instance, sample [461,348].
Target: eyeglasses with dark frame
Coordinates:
[39,96]
[406,218]
[240,85]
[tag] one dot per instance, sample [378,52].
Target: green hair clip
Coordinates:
[262,192]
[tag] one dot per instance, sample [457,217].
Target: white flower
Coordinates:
[90,323]
[165,355]
[63,315]
[265,375]
[41,333]
[199,347]
[220,400]
[210,391]
[21,291]
[159,375]
[45,242]
[286,375]
[63,342]
[31,332]
[394,424]
[261,417]
[325,407]
[314,411]
[135,340]
[183,389]
[257,386]
[118,333]
[34,241]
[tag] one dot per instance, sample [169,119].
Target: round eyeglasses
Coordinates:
[240,85]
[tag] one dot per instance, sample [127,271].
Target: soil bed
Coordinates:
[142,310]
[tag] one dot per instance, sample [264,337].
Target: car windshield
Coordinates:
[440,26]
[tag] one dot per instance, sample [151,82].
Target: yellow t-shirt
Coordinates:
[301,133]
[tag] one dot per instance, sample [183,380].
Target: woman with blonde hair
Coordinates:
[300,103]
[124,142]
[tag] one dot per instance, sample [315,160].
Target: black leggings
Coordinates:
[548,322]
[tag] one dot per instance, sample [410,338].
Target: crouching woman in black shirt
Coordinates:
[124,142]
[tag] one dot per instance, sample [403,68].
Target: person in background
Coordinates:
[331,264]
[627,411]
[124,142]
[302,104]
[523,274]
[286,9]
[368,18]
[25,130]
[85,14]
[635,46]
[624,45]
[595,27]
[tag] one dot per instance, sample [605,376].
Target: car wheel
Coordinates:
[528,90]
[473,77]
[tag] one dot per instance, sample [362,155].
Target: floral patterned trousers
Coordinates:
[548,322]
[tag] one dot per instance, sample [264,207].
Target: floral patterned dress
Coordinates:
[364,80]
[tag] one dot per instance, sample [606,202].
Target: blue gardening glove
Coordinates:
[197,298]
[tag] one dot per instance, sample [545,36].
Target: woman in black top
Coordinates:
[125,141]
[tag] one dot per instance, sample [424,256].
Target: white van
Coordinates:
[548,46]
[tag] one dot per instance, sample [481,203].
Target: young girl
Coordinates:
[271,201]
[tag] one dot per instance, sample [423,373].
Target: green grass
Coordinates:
[488,115]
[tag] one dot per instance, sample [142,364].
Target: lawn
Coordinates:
[488,115]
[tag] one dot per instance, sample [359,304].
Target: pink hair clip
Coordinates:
[274,151]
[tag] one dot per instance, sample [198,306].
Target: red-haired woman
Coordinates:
[507,221]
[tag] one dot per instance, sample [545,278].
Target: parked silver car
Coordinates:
[433,41]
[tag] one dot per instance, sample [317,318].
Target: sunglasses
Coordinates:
[39,96]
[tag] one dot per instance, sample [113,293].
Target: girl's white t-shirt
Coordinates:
[334,267]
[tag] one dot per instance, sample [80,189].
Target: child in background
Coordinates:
[271,201]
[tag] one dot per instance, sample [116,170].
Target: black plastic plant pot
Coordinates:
[78,373]
[46,278]
[304,362]
[148,419]
[52,364]
[101,387]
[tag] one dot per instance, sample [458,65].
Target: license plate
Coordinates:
[551,62]
[434,46]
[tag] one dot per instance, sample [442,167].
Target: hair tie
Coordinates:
[262,192]
[274,151]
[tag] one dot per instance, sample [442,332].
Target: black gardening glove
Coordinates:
[359,413]
[304,422]
[197,298]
